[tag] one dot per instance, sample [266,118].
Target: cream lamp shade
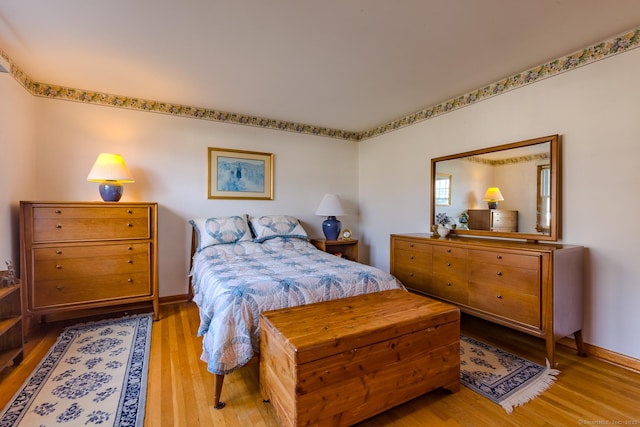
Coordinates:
[331,207]
[111,172]
[493,196]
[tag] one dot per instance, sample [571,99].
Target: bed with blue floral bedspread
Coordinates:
[240,270]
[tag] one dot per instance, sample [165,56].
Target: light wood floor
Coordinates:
[587,392]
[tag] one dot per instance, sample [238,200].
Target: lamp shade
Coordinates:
[493,194]
[110,167]
[330,206]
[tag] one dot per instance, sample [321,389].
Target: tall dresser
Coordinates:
[535,288]
[77,256]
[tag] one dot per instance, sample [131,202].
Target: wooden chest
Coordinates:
[342,361]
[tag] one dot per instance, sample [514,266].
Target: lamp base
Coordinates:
[493,205]
[111,191]
[331,228]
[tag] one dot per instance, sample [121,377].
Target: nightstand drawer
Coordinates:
[58,224]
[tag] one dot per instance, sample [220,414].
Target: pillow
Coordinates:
[269,226]
[221,230]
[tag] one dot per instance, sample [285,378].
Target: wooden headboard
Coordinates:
[194,246]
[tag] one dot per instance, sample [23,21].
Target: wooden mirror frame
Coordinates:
[555,193]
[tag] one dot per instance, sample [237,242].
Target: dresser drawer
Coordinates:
[89,261]
[506,303]
[450,274]
[516,279]
[412,264]
[56,224]
[86,290]
[505,258]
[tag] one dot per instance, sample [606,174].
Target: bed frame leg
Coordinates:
[217,390]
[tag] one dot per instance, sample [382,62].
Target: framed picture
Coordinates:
[237,174]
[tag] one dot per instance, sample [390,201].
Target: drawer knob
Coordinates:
[129,224]
[449,250]
[58,266]
[499,296]
[59,252]
[130,261]
[410,274]
[499,273]
[499,257]
[411,245]
[448,264]
[59,287]
[130,248]
[58,211]
[129,211]
[130,280]
[411,257]
[449,284]
[58,225]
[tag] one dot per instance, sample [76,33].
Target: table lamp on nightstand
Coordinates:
[331,207]
[111,172]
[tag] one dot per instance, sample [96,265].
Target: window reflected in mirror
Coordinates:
[443,189]
[544,199]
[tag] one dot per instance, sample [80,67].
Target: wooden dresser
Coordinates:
[87,255]
[532,287]
[493,220]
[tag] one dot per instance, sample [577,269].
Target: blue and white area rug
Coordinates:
[95,374]
[505,378]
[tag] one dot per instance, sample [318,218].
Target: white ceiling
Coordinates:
[342,64]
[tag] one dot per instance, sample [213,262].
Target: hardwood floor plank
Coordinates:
[180,389]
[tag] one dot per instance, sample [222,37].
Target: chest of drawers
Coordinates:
[493,220]
[531,287]
[78,256]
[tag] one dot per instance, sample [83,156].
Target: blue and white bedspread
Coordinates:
[234,283]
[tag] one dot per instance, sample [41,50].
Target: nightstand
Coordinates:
[348,248]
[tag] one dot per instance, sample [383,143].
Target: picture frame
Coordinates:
[240,174]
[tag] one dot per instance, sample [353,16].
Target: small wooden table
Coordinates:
[346,248]
[342,361]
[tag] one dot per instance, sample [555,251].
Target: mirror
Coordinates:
[509,191]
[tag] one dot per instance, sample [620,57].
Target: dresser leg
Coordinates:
[579,343]
[551,350]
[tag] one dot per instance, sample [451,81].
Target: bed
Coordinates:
[244,265]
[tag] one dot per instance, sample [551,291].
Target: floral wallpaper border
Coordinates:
[509,161]
[614,46]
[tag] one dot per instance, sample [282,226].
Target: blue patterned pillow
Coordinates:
[270,226]
[221,230]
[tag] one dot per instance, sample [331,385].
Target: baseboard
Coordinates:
[173,299]
[605,355]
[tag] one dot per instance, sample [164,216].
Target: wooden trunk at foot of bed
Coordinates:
[342,361]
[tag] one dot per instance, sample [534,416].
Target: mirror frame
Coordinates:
[555,193]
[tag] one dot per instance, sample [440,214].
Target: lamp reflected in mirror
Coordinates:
[493,196]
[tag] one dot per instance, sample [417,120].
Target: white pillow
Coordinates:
[221,230]
[270,226]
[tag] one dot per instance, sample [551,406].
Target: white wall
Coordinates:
[17,149]
[595,110]
[168,159]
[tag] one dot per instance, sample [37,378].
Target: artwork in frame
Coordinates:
[239,174]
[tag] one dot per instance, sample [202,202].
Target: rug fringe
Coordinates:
[542,383]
